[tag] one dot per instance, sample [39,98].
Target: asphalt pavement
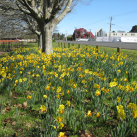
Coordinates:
[122,45]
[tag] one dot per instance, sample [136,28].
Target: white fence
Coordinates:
[109,39]
[117,39]
[128,39]
[28,40]
[82,39]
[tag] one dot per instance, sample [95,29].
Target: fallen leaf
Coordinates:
[8,109]
[25,104]
[11,94]
[19,105]
[28,125]
[27,93]
[14,123]
[3,111]
[7,121]
[67,133]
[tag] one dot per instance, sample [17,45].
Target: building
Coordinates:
[119,34]
[11,36]
[99,33]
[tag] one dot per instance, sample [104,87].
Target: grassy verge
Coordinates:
[72,92]
[131,54]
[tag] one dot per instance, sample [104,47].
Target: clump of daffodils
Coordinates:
[133,107]
[121,113]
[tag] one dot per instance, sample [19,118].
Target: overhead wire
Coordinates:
[121,14]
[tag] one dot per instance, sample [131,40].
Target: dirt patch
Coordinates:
[3,52]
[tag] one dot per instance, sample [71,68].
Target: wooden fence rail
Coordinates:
[4,46]
[97,47]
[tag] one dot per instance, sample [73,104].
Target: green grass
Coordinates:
[131,54]
[22,122]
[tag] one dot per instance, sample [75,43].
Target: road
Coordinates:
[122,45]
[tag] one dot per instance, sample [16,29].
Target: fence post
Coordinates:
[0,47]
[118,50]
[68,45]
[97,48]
[23,42]
[13,44]
[64,45]
[3,46]
[86,47]
[8,45]
[78,45]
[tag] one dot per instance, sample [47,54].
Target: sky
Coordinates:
[97,15]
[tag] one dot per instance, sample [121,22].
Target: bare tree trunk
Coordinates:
[47,39]
[43,40]
[40,41]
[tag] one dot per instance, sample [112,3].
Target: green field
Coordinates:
[72,92]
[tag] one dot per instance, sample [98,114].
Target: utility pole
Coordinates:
[90,34]
[75,33]
[58,36]
[66,35]
[110,25]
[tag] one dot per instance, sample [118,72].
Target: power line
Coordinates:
[127,20]
[125,13]
[121,27]
[121,14]
[95,22]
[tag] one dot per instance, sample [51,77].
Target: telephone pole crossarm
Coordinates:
[110,24]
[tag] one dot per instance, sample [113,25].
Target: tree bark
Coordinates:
[40,41]
[47,39]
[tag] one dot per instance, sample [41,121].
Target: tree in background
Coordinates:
[15,24]
[47,14]
[54,35]
[69,38]
[134,29]
[82,33]
[58,36]
[62,36]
